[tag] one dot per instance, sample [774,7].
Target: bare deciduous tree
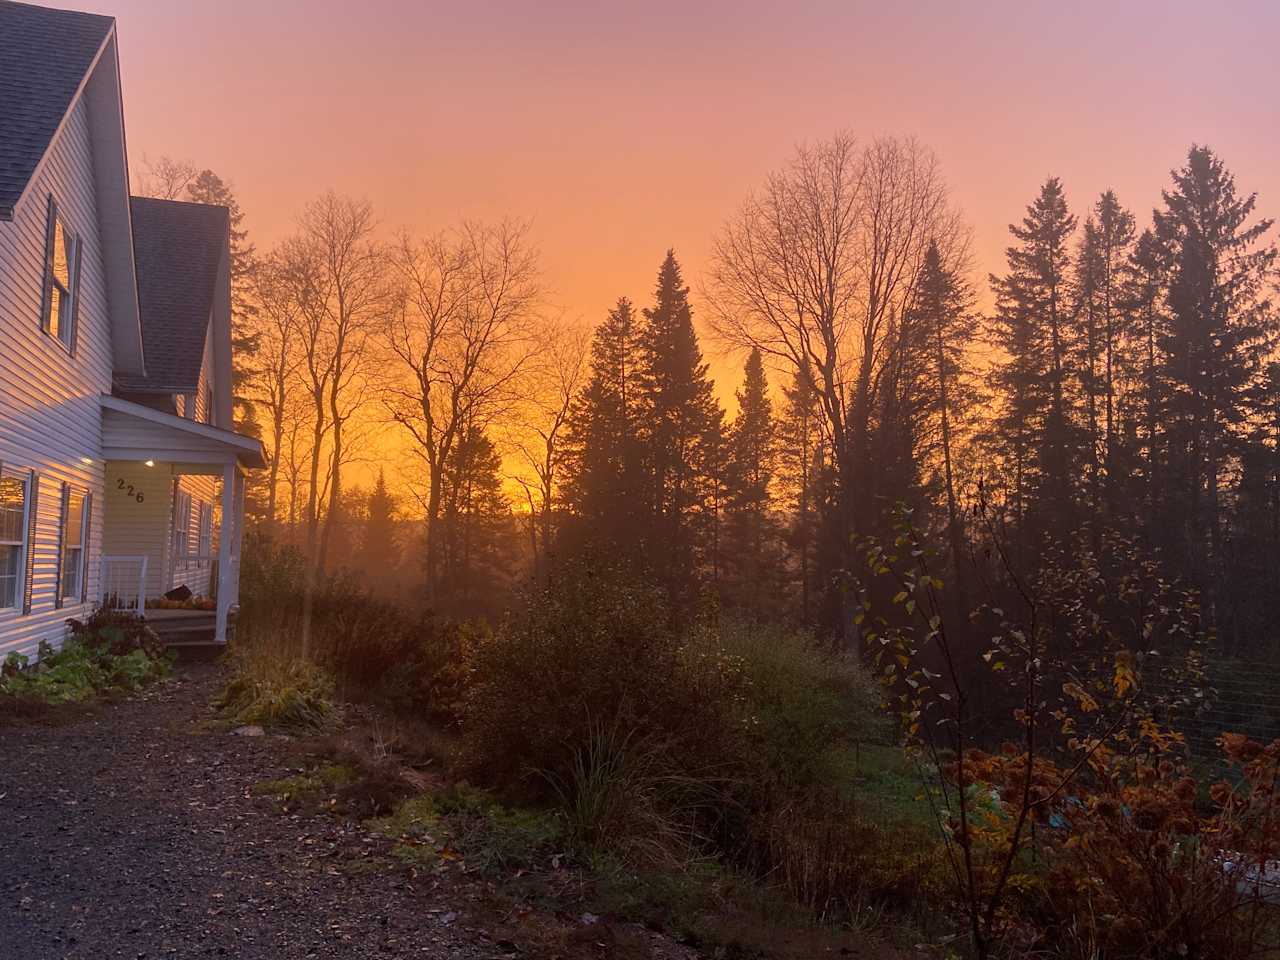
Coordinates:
[166,178]
[557,377]
[462,337]
[274,382]
[817,270]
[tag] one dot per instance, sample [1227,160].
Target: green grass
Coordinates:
[887,785]
[468,825]
[325,779]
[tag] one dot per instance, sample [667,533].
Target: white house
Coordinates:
[120,475]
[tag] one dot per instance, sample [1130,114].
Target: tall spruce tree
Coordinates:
[478,529]
[602,487]
[1101,337]
[943,308]
[751,559]
[1222,326]
[801,465]
[1036,432]
[1143,301]
[678,424]
[379,550]
[208,187]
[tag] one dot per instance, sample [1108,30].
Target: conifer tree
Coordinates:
[943,307]
[602,487]
[750,548]
[380,553]
[679,421]
[1101,337]
[801,460]
[1221,328]
[1142,299]
[477,524]
[1035,431]
[208,187]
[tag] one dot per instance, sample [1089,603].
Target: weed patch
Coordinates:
[102,656]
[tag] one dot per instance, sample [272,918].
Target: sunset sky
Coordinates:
[625,129]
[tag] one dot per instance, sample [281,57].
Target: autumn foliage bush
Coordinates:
[1086,835]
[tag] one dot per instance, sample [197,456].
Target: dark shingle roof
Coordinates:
[177,249]
[44,55]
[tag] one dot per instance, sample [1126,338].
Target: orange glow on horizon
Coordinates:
[622,131]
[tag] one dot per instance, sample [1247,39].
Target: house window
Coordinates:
[208,405]
[181,527]
[74,537]
[206,532]
[61,274]
[13,539]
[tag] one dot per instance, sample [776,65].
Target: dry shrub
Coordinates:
[371,648]
[1135,863]
[838,861]
[593,651]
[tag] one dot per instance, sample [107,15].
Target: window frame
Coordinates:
[204,532]
[23,544]
[82,567]
[67,331]
[182,511]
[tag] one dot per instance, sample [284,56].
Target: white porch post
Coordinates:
[225,535]
[242,482]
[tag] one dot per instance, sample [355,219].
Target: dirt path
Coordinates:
[132,833]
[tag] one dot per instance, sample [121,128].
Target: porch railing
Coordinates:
[124,583]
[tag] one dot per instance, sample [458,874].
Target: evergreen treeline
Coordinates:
[1124,382]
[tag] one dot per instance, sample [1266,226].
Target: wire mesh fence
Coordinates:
[1242,696]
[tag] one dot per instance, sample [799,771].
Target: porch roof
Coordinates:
[131,431]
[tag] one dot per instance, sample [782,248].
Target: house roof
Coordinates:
[178,250]
[45,56]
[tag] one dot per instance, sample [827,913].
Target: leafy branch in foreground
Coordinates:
[1051,672]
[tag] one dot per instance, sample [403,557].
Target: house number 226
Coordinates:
[128,489]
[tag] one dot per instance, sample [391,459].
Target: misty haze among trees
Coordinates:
[957,605]
[1124,380]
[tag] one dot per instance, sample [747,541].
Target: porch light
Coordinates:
[86,459]
[149,463]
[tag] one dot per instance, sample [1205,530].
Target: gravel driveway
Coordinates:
[131,833]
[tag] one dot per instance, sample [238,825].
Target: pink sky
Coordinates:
[623,129]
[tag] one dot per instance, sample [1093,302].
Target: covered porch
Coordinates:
[174,517]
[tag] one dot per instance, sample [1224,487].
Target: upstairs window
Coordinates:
[208,405]
[61,279]
[13,539]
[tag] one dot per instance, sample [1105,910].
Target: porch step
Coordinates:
[189,633]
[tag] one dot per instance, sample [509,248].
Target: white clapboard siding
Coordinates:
[139,528]
[50,419]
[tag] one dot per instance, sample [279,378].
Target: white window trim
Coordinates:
[24,545]
[66,335]
[83,548]
[204,532]
[182,511]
